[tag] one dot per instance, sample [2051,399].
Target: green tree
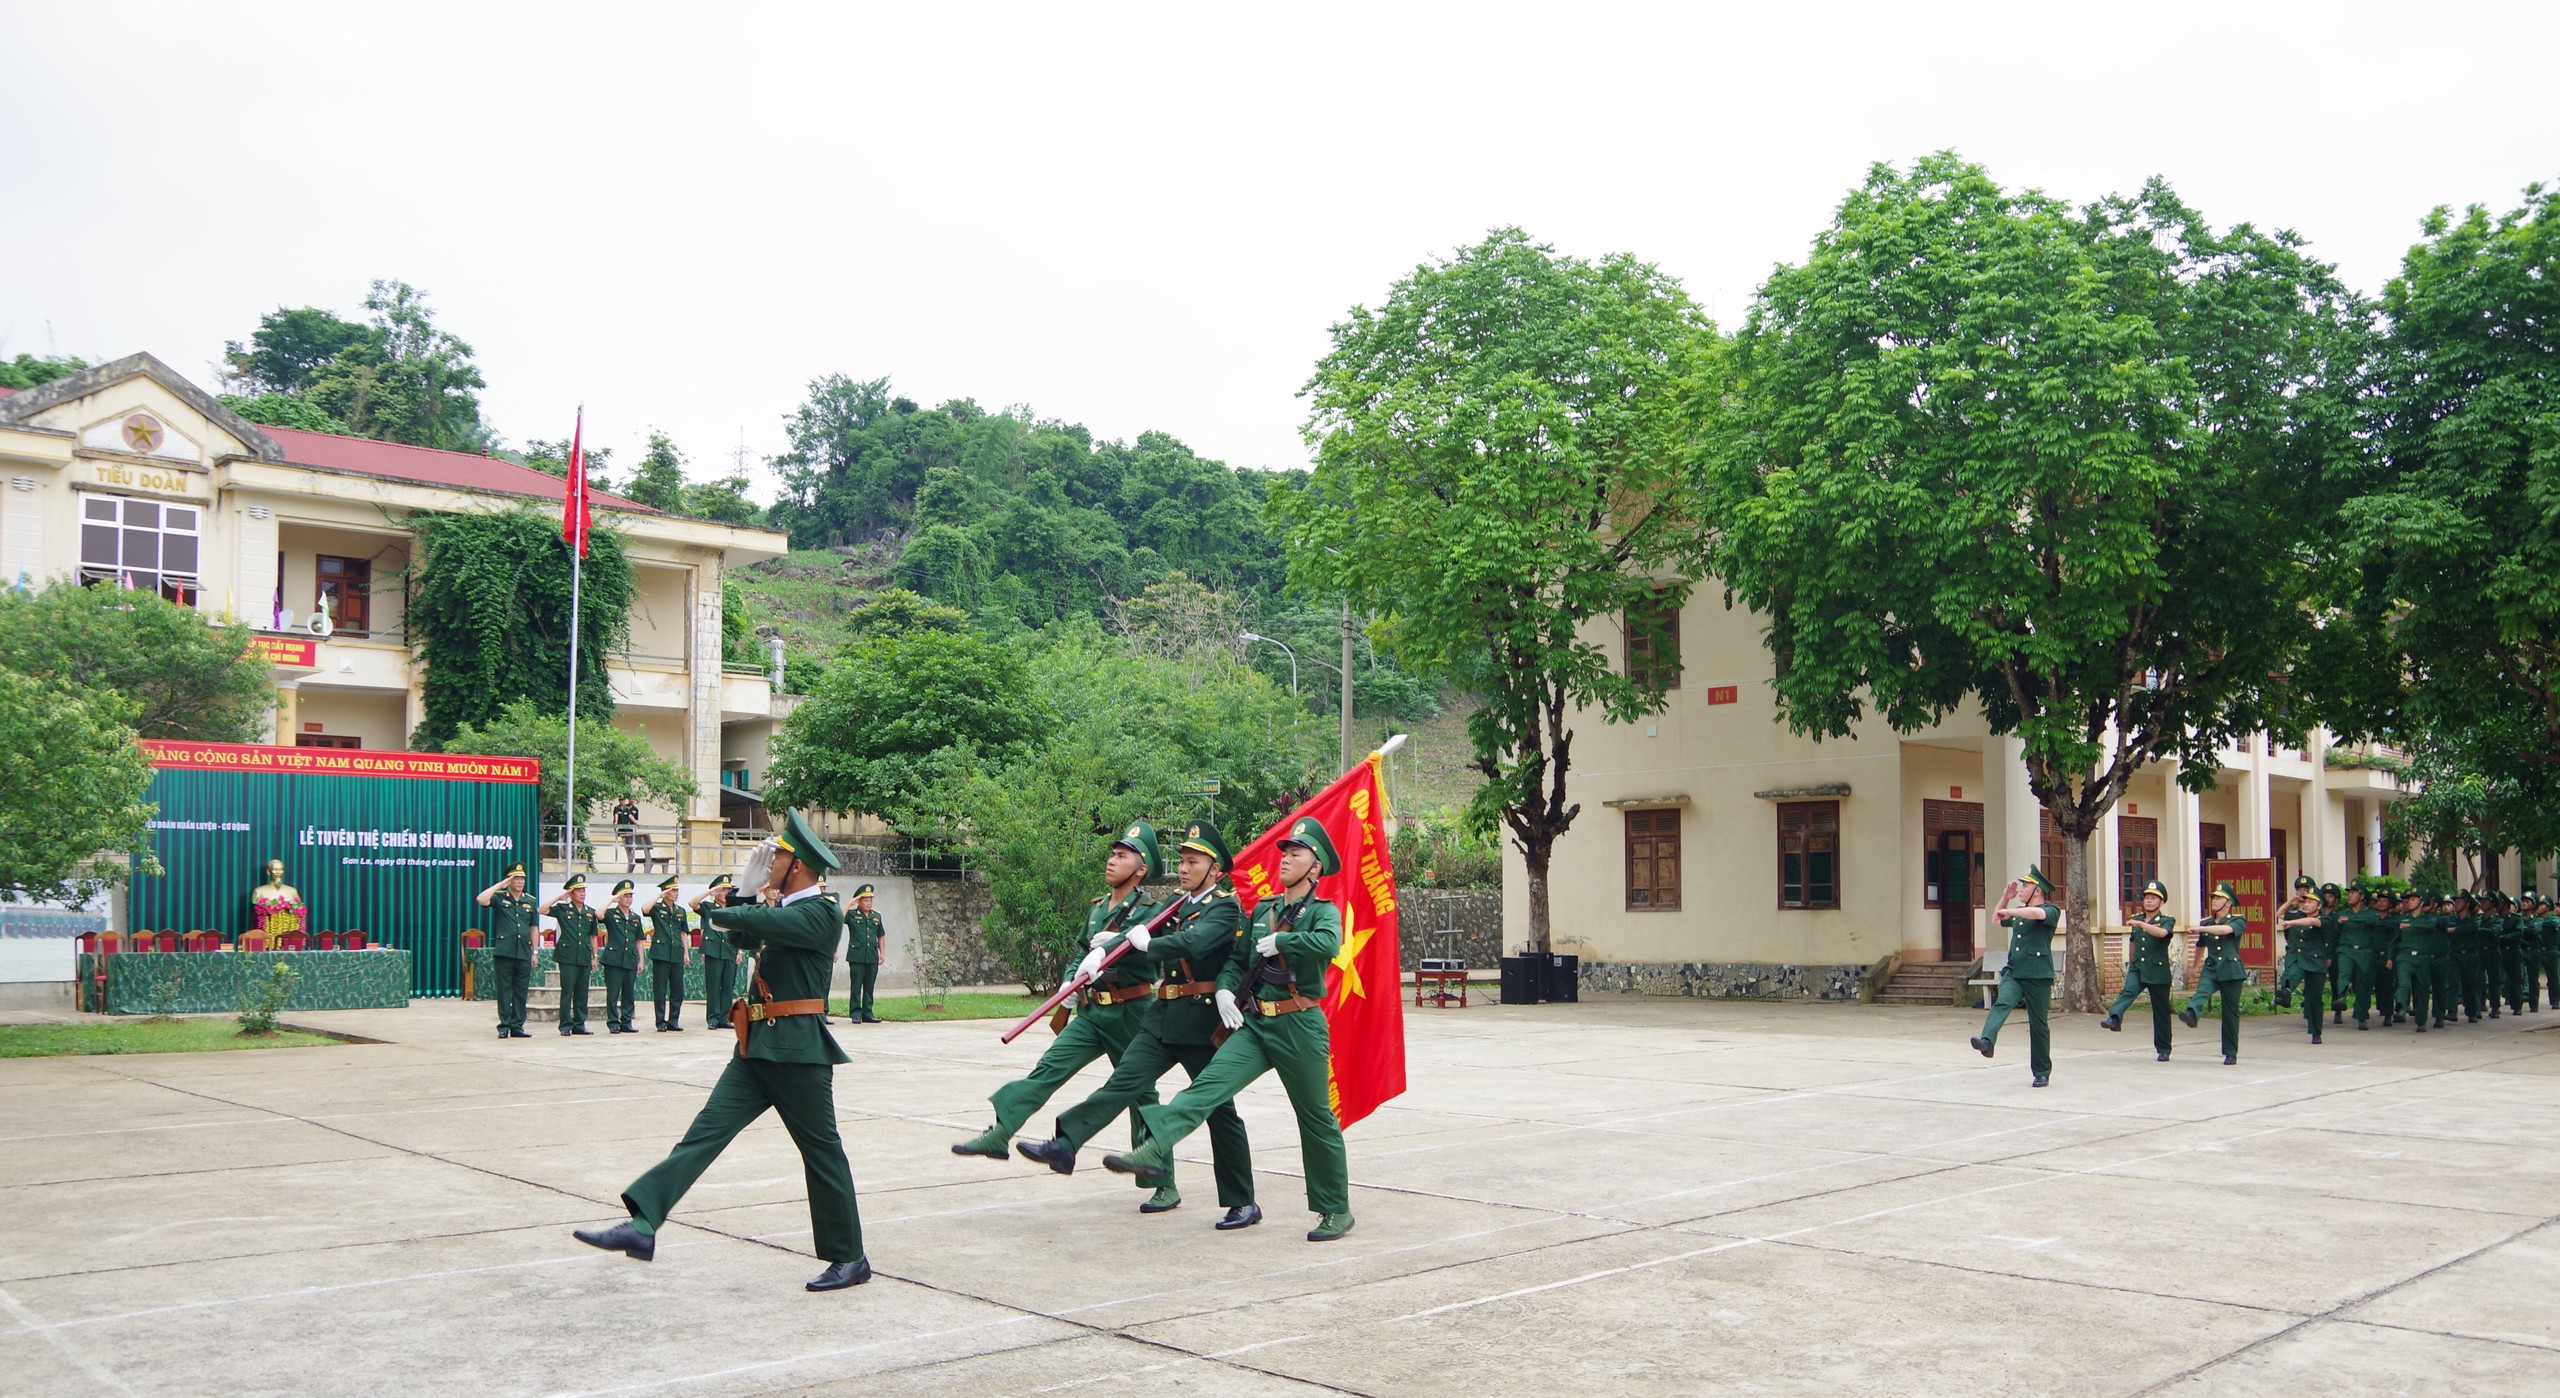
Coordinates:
[894,611]
[723,501]
[184,676]
[71,788]
[289,350]
[273,409]
[878,729]
[28,370]
[2065,465]
[395,378]
[2456,561]
[658,481]
[1498,468]
[611,763]
[552,459]
[488,612]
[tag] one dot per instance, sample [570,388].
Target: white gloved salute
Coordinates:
[1092,962]
[1228,1012]
[1269,945]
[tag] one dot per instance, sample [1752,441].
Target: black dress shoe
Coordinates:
[840,1275]
[870,1018]
[1241,1216]
[2315,1038]
[2041,1079]
[2164,1058]
[1981,1045]
[674,1028]
[621,1238]
[1054,1153]
[582,1029]
[2112,1023]
[2230,1059]
[503,1034]
[524,1033]
[2187,1018]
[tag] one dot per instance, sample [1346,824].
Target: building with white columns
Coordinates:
[1717,852]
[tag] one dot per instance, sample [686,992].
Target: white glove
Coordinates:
[1092,962]
[1138,939]
[751,880]
[1228,1014]
[1269,945]
[1101,938]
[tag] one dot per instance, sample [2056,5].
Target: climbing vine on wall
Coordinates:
[489,615]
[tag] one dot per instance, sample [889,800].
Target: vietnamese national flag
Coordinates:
[1364,992]
[575,518]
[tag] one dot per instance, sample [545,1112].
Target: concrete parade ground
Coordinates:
[1620,1196]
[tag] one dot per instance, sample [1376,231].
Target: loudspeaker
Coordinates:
[1522,977]
[1563,978]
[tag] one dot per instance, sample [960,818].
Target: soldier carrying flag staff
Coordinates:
[1274,1024]
[1107,1014]
[785,1060]
[1181,1026]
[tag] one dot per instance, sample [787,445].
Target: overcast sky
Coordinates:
[1131,218]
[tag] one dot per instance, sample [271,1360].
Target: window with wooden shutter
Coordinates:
[1653,860]
[1653,643]
[1809,854]
[2137,856]
[2053,855]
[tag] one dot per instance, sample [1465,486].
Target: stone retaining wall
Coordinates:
[1475,913]
[954,912]
[1724,980]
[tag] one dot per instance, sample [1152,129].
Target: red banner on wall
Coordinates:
[1364,990]
[2254,883]
[339,762]
[286,651]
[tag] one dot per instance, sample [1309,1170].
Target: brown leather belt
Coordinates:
[785,1009]
[1290,1006]
[1123,994]
[1175,990]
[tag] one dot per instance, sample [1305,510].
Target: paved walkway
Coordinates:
[1624,1196]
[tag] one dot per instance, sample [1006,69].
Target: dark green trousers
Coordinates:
[2471,969]
[804,1095]
[2229,990]
[1299,1049]
[2510,982]
[2315,998]
[2395,1001]
[1092,1034]
[2161,1016]
[2417,987]
[2037,996]
[512,975]
[666,992]
[719,989]
[573,996]
[1146,1060]
[618,986]
[2448,986]
[2359,976]
[862,977]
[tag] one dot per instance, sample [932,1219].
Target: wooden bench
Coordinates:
[1988,983]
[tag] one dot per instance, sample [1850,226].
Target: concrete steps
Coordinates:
[1936,983]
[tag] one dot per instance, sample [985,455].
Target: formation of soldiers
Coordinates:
[2423,958]
[1188,980]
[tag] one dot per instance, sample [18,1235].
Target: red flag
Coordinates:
[575,518]
[1364,990]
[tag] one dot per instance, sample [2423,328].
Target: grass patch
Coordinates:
[907,1009]
[143,1036]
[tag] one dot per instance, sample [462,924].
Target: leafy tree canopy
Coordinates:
[273,409]
[488,611]
[28,370]
[611,762]
[1499,457]
[71,788]
[395,377]
[2066,465]
[888,713]
[552,458]
[183,676]
[658,481]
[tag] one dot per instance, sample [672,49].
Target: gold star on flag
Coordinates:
[1348,962]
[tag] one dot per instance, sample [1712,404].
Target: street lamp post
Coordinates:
[1284,645]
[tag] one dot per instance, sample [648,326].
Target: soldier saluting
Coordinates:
[621,961]
[511,918]
[577,926]
[719,959]
[1274,1024]
[861,956]
[1181,1026]
[785,1060]
[2028,911]
[667,926]
[2146,965]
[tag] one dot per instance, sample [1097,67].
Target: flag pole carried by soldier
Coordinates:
[1179,1026]
[2027,909]
[575,954]
[861,955]
[667,926]
[1273,1025]
[621,961]
[511,918]
[1107,1012]
[2146,966]
[719,958]
[2216,966]
[785,1060]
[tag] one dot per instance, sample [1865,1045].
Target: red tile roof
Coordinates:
[8,392]
[461,470]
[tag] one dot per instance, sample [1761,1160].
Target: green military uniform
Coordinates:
[1107,1015]
[1180,1025]
[667,926]
[2509,947]
[621,961]
[786,1060]
[2220,971]
[862,932]
[2415,961]
[1283,1032]
[2027,980]
[2307,953]
[2147,969]
[2466,935]
[511,918]
[719,958]
[577,926]
[2541,953]
[575,955]
[2362,936]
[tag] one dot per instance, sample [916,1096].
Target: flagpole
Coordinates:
[577,577]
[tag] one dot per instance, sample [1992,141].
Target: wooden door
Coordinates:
[1953,861]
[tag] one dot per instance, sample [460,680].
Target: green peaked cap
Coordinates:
[1202,835]
[668,882]
[866,891]
[2155,886]
[722,881]
[2037,877]
[515,871]
[1139,836]
[803,844]
[1308,831]
[574,881]
[624,886]
[2301,881]
[2224,890]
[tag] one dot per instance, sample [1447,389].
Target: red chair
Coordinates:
[295,941]
[693,939]
[327,941]
[204,941]
[168,940]
[253,941]
[550,939]
[473,937]
[87,942]
[354,941]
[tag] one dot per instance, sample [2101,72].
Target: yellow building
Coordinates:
[1719,853]
[128,474]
